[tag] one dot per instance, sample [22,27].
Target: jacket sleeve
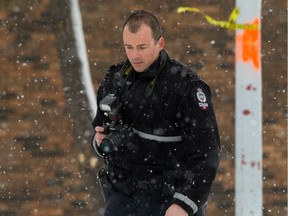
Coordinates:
[201,147]
[105,88]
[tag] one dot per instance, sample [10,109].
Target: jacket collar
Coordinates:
[153,69]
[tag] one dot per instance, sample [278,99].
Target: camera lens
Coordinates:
[114,139]
[106,146]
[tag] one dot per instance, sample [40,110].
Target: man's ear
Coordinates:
[161,43]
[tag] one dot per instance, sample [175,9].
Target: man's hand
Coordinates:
[175,210]
[99,135]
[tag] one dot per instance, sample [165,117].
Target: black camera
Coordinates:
[117,132]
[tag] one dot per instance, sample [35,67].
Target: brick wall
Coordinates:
[41,169]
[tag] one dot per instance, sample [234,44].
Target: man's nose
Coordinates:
[134,54]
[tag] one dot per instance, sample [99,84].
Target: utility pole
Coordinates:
[248,111]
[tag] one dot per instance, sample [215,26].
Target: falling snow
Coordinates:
[47,165]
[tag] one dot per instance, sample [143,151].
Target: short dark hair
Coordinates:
[137,18]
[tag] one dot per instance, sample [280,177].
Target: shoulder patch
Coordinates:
[201,99]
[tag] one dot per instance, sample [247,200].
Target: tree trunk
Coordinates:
[77,101]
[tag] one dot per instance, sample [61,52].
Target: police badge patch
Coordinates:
[202,98]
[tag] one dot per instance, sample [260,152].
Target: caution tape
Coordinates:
[230,24]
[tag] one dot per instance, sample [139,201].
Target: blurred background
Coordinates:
[47,166]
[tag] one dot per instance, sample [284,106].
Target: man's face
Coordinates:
[141,49]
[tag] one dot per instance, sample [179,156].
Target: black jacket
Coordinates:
[174,127]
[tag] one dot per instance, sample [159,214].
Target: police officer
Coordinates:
[165,150]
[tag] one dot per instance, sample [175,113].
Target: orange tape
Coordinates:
[249,45]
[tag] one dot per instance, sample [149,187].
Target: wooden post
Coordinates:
[248,112]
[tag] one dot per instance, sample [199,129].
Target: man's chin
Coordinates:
[138,68]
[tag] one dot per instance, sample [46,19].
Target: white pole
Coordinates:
[82,54]
[248,112]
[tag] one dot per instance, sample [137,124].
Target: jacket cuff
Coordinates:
[187,204]
[95,147]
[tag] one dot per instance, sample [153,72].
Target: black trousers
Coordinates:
[139,203]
